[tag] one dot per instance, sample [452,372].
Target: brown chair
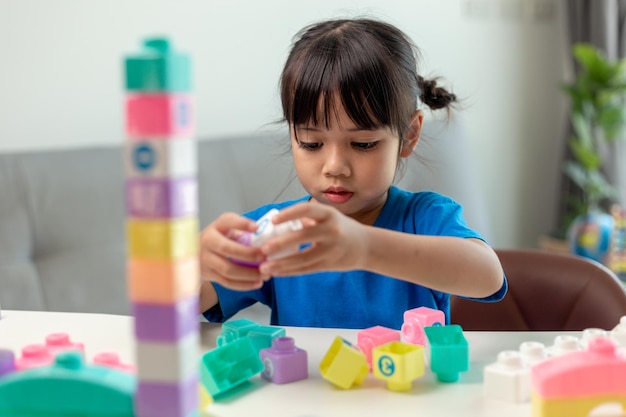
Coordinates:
[547,291]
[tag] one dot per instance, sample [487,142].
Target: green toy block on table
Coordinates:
[69,387]
[230,365]
[449,351]
[235,329]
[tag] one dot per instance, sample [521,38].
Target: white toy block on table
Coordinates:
[508,378]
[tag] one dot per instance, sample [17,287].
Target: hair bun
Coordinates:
[433,96]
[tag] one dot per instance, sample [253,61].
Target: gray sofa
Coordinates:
[62,212]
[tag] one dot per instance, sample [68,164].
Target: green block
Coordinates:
[228,366]
[158,68]
[235,329]
[262,336]
[67,388]
[449,351]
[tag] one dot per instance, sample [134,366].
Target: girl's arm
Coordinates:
[208,296]
[466,267]
[460,266]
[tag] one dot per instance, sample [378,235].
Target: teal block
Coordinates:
[158,68]
[227,366]
[449,351]
[69,387]
[235,329]
[262,336]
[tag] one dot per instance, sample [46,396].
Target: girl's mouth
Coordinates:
[338,196]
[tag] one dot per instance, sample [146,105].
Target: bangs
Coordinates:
[356,74]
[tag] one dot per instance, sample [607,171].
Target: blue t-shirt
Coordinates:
[357,299]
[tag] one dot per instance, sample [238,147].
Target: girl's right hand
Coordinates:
[217,249]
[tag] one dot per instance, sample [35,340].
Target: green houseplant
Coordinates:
[598,117]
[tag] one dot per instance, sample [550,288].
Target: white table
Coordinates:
[314,397]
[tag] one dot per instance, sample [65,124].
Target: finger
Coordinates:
[303,262]
[214,242]
[315,212]
[233,221]
[238,285]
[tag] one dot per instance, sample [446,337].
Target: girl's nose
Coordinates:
[336,162]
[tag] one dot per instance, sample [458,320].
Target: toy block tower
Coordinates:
[160,156]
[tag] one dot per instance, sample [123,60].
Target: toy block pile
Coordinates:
[57,373]
[399,357]
[246,348]
[571,377]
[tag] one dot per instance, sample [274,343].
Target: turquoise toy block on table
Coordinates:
[235,329]
[229,365]
[449,351]
[67,388]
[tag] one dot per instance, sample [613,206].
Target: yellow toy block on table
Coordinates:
[162,282]
[344,365]
[398,363]
[162,239]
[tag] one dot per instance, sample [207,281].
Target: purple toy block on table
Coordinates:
[284,362]
[7,362]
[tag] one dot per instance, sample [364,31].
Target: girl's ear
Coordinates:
[413,136]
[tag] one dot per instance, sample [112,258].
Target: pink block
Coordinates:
[34,356]
[416,319]
[164,115]
[60,342]
[38,354]
[112,360]
[368,339]
[599,370]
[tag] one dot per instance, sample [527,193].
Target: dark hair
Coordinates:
[369,64]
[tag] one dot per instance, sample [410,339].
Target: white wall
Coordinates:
[61,78]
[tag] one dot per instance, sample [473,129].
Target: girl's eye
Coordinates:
[365,146]
[309,146]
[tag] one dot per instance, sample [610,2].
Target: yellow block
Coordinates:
[571,407]
[205,400]
[398,363]
[344,365]
[163,282]
[162,239]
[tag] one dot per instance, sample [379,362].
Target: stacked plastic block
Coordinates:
[162,229]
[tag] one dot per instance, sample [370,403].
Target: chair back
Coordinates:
[548,291]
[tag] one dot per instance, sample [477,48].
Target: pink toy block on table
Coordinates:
[36,355]
[416,319]
[372,337]
[574,384]
[112,360]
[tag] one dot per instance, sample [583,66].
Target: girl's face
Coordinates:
[349,168]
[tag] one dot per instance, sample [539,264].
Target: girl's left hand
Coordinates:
[335,242]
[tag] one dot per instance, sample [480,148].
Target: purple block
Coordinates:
[161,197]
[160,399]
[7,362]
[166,322]
[284,362]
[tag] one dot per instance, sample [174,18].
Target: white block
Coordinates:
[160,158]
[168,362]
[507,379]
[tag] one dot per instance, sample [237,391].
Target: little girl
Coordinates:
[370,251]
